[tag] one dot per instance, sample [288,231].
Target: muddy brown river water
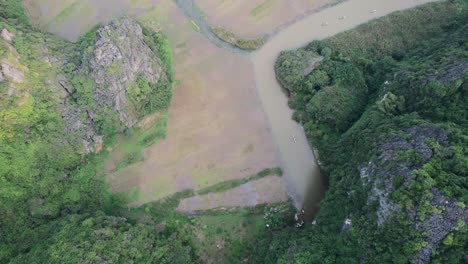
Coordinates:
[302,173]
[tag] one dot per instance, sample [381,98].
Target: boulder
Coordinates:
[9,71]
[7,36]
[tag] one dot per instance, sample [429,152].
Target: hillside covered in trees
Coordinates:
[386,106]
[58,102]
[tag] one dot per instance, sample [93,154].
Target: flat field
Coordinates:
[256,18]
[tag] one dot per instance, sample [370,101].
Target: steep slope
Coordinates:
[386,107]
[57,100]
[116,80]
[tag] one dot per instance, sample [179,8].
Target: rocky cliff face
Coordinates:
[118,56]
[110,82]
[9,69]
[380,175]
[112,63]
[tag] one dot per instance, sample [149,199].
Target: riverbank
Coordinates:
[298,161]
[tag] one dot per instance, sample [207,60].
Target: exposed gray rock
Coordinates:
[381,177]
[7,36]
[63,82]
[11,72]
[452,72]
[312,63]
[80,125]
[119,55]
[437,226]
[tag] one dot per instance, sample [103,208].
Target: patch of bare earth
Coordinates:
[266,190]
[255,18]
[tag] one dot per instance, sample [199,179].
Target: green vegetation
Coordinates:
[229,37]
[106,239]
[226,185]
[145,97]
[195,26]
[160,44]
[136,139]
[262,9]
[386,112]
[158,131]
[53,208]
[13,11]
[385,105]
[148,98]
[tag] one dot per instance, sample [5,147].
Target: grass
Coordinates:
[129,159]
[285,207]
[158,131]
[242,43]
[66,12]
[226,185]
[218,237]
[233,228]
[136,139]
[262,9]
[166,206]
[214,235]
[195,26]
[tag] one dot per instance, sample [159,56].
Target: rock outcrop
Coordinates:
[7,70]
[119,55]
[437,226]
[114,60]
[8,64]
[6,35]
[380,177]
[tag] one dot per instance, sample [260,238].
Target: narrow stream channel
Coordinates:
[189,9]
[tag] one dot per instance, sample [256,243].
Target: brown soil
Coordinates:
[214,118]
